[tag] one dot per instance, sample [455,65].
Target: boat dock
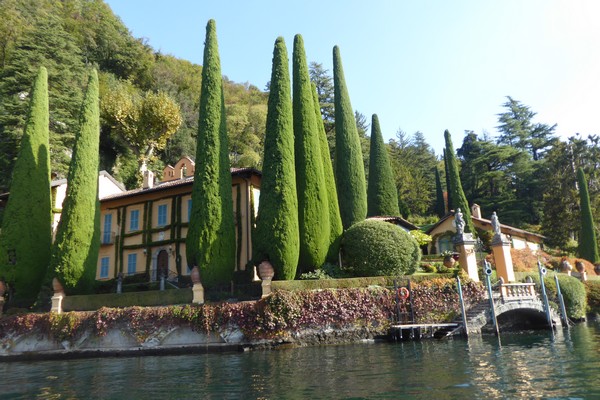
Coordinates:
[400,332]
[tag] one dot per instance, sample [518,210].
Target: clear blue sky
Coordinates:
[422,65]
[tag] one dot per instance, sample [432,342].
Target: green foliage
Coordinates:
[573,292]
[210,243]
[592,289]
[374,247]
[456,193]
[349,169]
[382,196]
[335,220]
[440,205]
[75,251]
[276,236]
[421,237]
[588,244]
[26,235]
[313,208]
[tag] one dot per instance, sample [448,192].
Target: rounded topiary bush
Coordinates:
[372,248]
[573,291]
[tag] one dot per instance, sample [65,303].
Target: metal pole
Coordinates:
[544,295]
[561,301]
[397,301]
[462,307]
[488,272]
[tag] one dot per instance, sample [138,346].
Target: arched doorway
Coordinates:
[162,264]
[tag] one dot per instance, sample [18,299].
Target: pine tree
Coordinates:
[456,192]
[335,220]
[210,242]
[313,211]
[349,168]
[26,236]
[75,250]
[588,244]
[440,207]
[276,237]
[382,194]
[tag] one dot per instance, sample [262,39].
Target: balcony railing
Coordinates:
[107,238]
[518,291]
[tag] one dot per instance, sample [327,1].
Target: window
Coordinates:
[134,220]
[131,264]
[162,215]
[104,262]
[189,210]
[106,235]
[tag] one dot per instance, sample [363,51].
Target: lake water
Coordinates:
[532,365]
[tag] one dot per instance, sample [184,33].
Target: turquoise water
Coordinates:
[523,366]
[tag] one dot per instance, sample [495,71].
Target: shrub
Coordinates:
[592,289]
[573,292]
[372,248]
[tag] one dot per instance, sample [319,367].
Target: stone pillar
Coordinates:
[266,272]
[501,251]
[197,289]
[59,295]
[266,287]
[465,246]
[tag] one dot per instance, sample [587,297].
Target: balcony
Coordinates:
[107,238]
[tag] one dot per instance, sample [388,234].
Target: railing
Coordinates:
[517,291]
[107,237]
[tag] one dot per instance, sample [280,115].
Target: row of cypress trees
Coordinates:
[27,257]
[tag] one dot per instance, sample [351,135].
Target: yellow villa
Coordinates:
[143,230]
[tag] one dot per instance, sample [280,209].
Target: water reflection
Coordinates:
[525,366]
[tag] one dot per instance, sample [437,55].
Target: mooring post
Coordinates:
[488,272]
[462,307]
[561,301]
[542,271]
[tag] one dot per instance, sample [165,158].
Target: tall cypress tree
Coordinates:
[210,242]
[456,192]
[588,244]
[349,167]
[276,237]
[75,250]
[313,211]
[440,206]
[382,194]
[450,205]
[26,235]
[335,220]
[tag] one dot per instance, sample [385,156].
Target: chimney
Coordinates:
[148,180]
[476,211]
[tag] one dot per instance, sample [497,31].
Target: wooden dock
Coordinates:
[422,331]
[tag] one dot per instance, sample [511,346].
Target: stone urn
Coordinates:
[597,269]
[195,275]
[449,261]
[265,270]
[565,266]
[57,286]
[579,266]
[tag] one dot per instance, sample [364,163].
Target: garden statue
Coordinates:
[459,222]
[495,224]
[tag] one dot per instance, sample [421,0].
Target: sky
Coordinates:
[421,65]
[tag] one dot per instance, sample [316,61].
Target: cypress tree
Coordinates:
[335,221]
[75,250]
[440,207]
[382,194]
[313,211]
[26,235]
[276,237]
[588,244]
[210,242]
[456,192]
[349,167]
[448,191]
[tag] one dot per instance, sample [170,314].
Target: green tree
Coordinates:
[276,237]
[440,205]
[349,168]
[382,196]
[210,243]
[313,212]
[588,244]
[456,192]
[75,250]
[446,174]
[335,220]
[26,236]
[325,91]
